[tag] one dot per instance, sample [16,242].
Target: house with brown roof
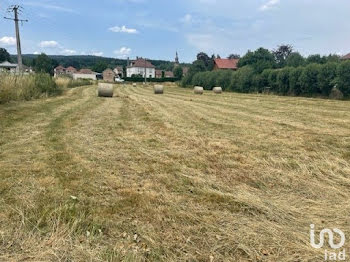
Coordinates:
[141,67]
[62,71]
[108,75]
[225,64]
[346,57]
[168,74]
[71,70]
[59,71]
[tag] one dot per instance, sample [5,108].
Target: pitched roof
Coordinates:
[86,71]
[7,64]
[71,68]
[226,63]
[60,68]
[142,63]
[346,57]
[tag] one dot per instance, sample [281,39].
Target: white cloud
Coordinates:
[123,29]
[48,44]
[187,19]
[97,53]
[123,52]
[36,53]
[68,52]
[8,41]
[269,4]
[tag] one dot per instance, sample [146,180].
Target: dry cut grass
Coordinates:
[176,177]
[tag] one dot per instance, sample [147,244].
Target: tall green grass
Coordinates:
[26,87]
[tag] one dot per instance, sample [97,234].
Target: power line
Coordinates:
[17,9]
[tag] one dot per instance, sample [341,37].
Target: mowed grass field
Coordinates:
[173,177]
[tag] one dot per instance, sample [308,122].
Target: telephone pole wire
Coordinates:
[15,9]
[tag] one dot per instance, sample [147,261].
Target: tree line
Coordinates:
[282,71]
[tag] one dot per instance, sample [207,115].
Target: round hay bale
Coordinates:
[134,84]
[198,90]
[336,94]
[105,90]
[159,89]
[217,90]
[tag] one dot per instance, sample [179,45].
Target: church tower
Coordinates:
[177,60]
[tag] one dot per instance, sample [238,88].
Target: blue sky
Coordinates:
[157,28]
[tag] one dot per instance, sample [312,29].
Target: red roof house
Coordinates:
[346,57]
[228,64]
[142,63]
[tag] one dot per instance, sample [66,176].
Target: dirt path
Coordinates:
[173,177]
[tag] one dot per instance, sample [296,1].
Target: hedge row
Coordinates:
[154,80]
[311,80]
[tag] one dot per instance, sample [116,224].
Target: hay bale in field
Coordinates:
[134,84]
[105,90]
[198,90]
[336,94]
[217,90]
[159,89]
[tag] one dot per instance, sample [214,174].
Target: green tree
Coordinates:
[294,80]
[273,80]
[178,72]
[100,66]
[234,56]
[259,60]
[223,78]
[4,55]
[316,59]
[244,79]
[283,80]
[295,59]
[281,54]
[326,77]
[44,64]
[309,80]
[343,79]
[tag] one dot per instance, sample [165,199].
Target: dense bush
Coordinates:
[310,80]
[155,80]
[26,87]
[79,82]
[343,78]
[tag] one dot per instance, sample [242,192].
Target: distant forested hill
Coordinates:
[87,61]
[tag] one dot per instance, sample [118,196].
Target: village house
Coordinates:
[346,57]
[108,75]
[159,73]
[85,74]
[71,70]
[119,72]
[168,74]
[59,71]
[141,67]
[165,74]
[8,67]
[226,64]
[62,71]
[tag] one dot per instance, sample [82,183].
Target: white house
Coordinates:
[139,67]
[8,67]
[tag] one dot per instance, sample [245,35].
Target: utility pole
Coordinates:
[15,9]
